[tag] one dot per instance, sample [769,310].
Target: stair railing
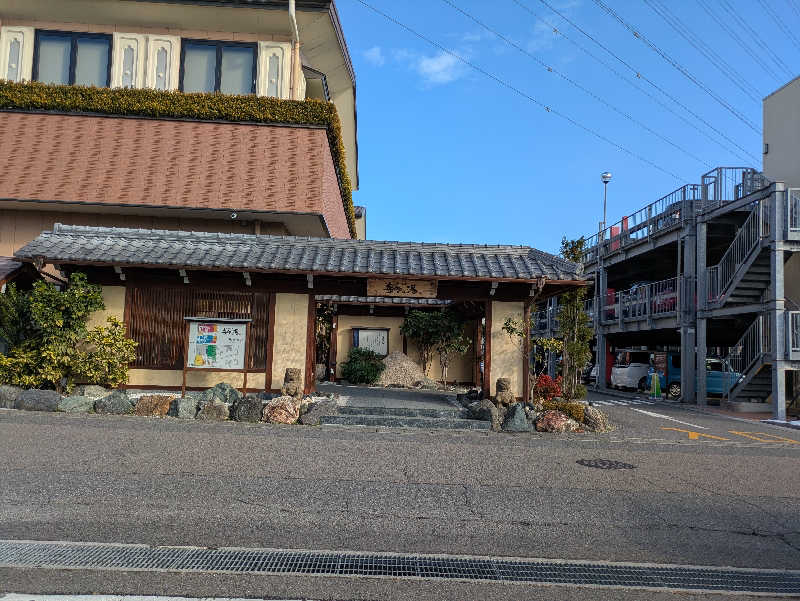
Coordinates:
[748,350]
[721,275]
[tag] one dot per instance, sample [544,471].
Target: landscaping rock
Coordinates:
[93,391]
[292,383]
[426,384]
[282,410]
[184,407]
[504,396]
[516,420]
[38,400]
[9,396]
[248,409]
[317,411]
[77,404]
[595,420]
[531,414]
[555,421]
[399,371]
[116,403]
[153,405]
[213,412]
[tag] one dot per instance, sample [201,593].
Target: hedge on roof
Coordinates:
[159,104]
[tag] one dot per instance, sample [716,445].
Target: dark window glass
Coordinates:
[218,67]
[676,361]
[72,58]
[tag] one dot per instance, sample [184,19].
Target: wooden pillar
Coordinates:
[526,351]
[333,347]
[270,343]
[487,358]
[311,345]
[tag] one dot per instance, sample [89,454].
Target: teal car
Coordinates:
[720,376]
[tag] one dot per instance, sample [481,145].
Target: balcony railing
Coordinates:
[646,301]
[793,196]
[547,320]
[794,331]
[754,343]
[724,184]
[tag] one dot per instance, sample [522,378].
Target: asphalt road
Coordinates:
[688,500]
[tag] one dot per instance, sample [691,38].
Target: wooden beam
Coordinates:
[487,358]
[333,347]
[311,345]
[270,343]
[526,351]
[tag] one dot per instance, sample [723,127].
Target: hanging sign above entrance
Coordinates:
[402,287]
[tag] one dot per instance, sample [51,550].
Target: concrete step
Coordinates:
[386,421]
[445,413]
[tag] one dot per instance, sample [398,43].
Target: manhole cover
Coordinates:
[605,464]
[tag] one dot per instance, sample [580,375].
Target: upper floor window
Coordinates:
[72,58]
[227,67]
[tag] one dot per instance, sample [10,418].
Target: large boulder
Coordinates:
[38,400]
[248,409]
[76,404]
[516,420]
[504,395]
[184,407]
[317,411]
[283,410]
[9,396]
[555,421]
[595,420]
[153,405]
[213,412]
[93,391]
[116,403]
[399,371]
[220,393]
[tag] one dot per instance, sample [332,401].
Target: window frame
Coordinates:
[73,52]
[218,44]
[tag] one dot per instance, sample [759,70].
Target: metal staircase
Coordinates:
[748,361]
[743,273]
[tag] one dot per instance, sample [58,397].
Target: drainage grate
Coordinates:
[605,464]
[58,555]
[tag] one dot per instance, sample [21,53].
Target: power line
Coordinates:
[756,38]
[773,15]
[576,84]
[739,41]
[675,23]
[640,75]
[519,92]
[680,68]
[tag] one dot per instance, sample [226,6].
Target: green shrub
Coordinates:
[362,366]
[178,105]
[570,408]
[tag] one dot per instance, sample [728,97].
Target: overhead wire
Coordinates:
[774,16]
[680,68]
[576,84]
[671,19]
[520,92]
[640,75]
[739,41]
[756,38]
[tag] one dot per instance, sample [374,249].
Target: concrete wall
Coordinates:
[195,378]
[782,134]
[18,227]
[291,332]
[791,279]
[506,358]
[114,299]
[460,367]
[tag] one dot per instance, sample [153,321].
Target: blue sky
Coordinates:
[448,154]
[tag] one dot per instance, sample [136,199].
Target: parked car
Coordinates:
[720,376]
[630,370]
[590,374]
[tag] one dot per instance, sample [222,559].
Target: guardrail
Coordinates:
[749,236]
[547,320]
[754,343]
[793,200]
[725,184]
[655,299]
[794,331]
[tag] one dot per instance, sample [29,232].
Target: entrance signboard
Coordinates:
[214,344]
[402,287]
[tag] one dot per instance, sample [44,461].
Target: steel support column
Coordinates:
[776,314]
[687,318]
[702,301]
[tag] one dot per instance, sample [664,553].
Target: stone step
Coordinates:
[447,413]
[430,423]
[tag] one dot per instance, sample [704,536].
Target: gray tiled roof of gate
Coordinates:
[247,252]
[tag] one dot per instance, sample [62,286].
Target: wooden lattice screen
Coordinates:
[156,322]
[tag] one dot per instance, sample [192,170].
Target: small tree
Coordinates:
[540,347]
[574,327]
[422,327]
[451,340]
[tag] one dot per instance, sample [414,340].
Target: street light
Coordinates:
[605,177]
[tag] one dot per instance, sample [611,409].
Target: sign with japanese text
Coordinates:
[216,345]
[373,339]
[402,287]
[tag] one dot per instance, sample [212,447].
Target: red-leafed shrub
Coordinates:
[547,388]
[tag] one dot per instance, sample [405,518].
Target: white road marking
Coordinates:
[672,419]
